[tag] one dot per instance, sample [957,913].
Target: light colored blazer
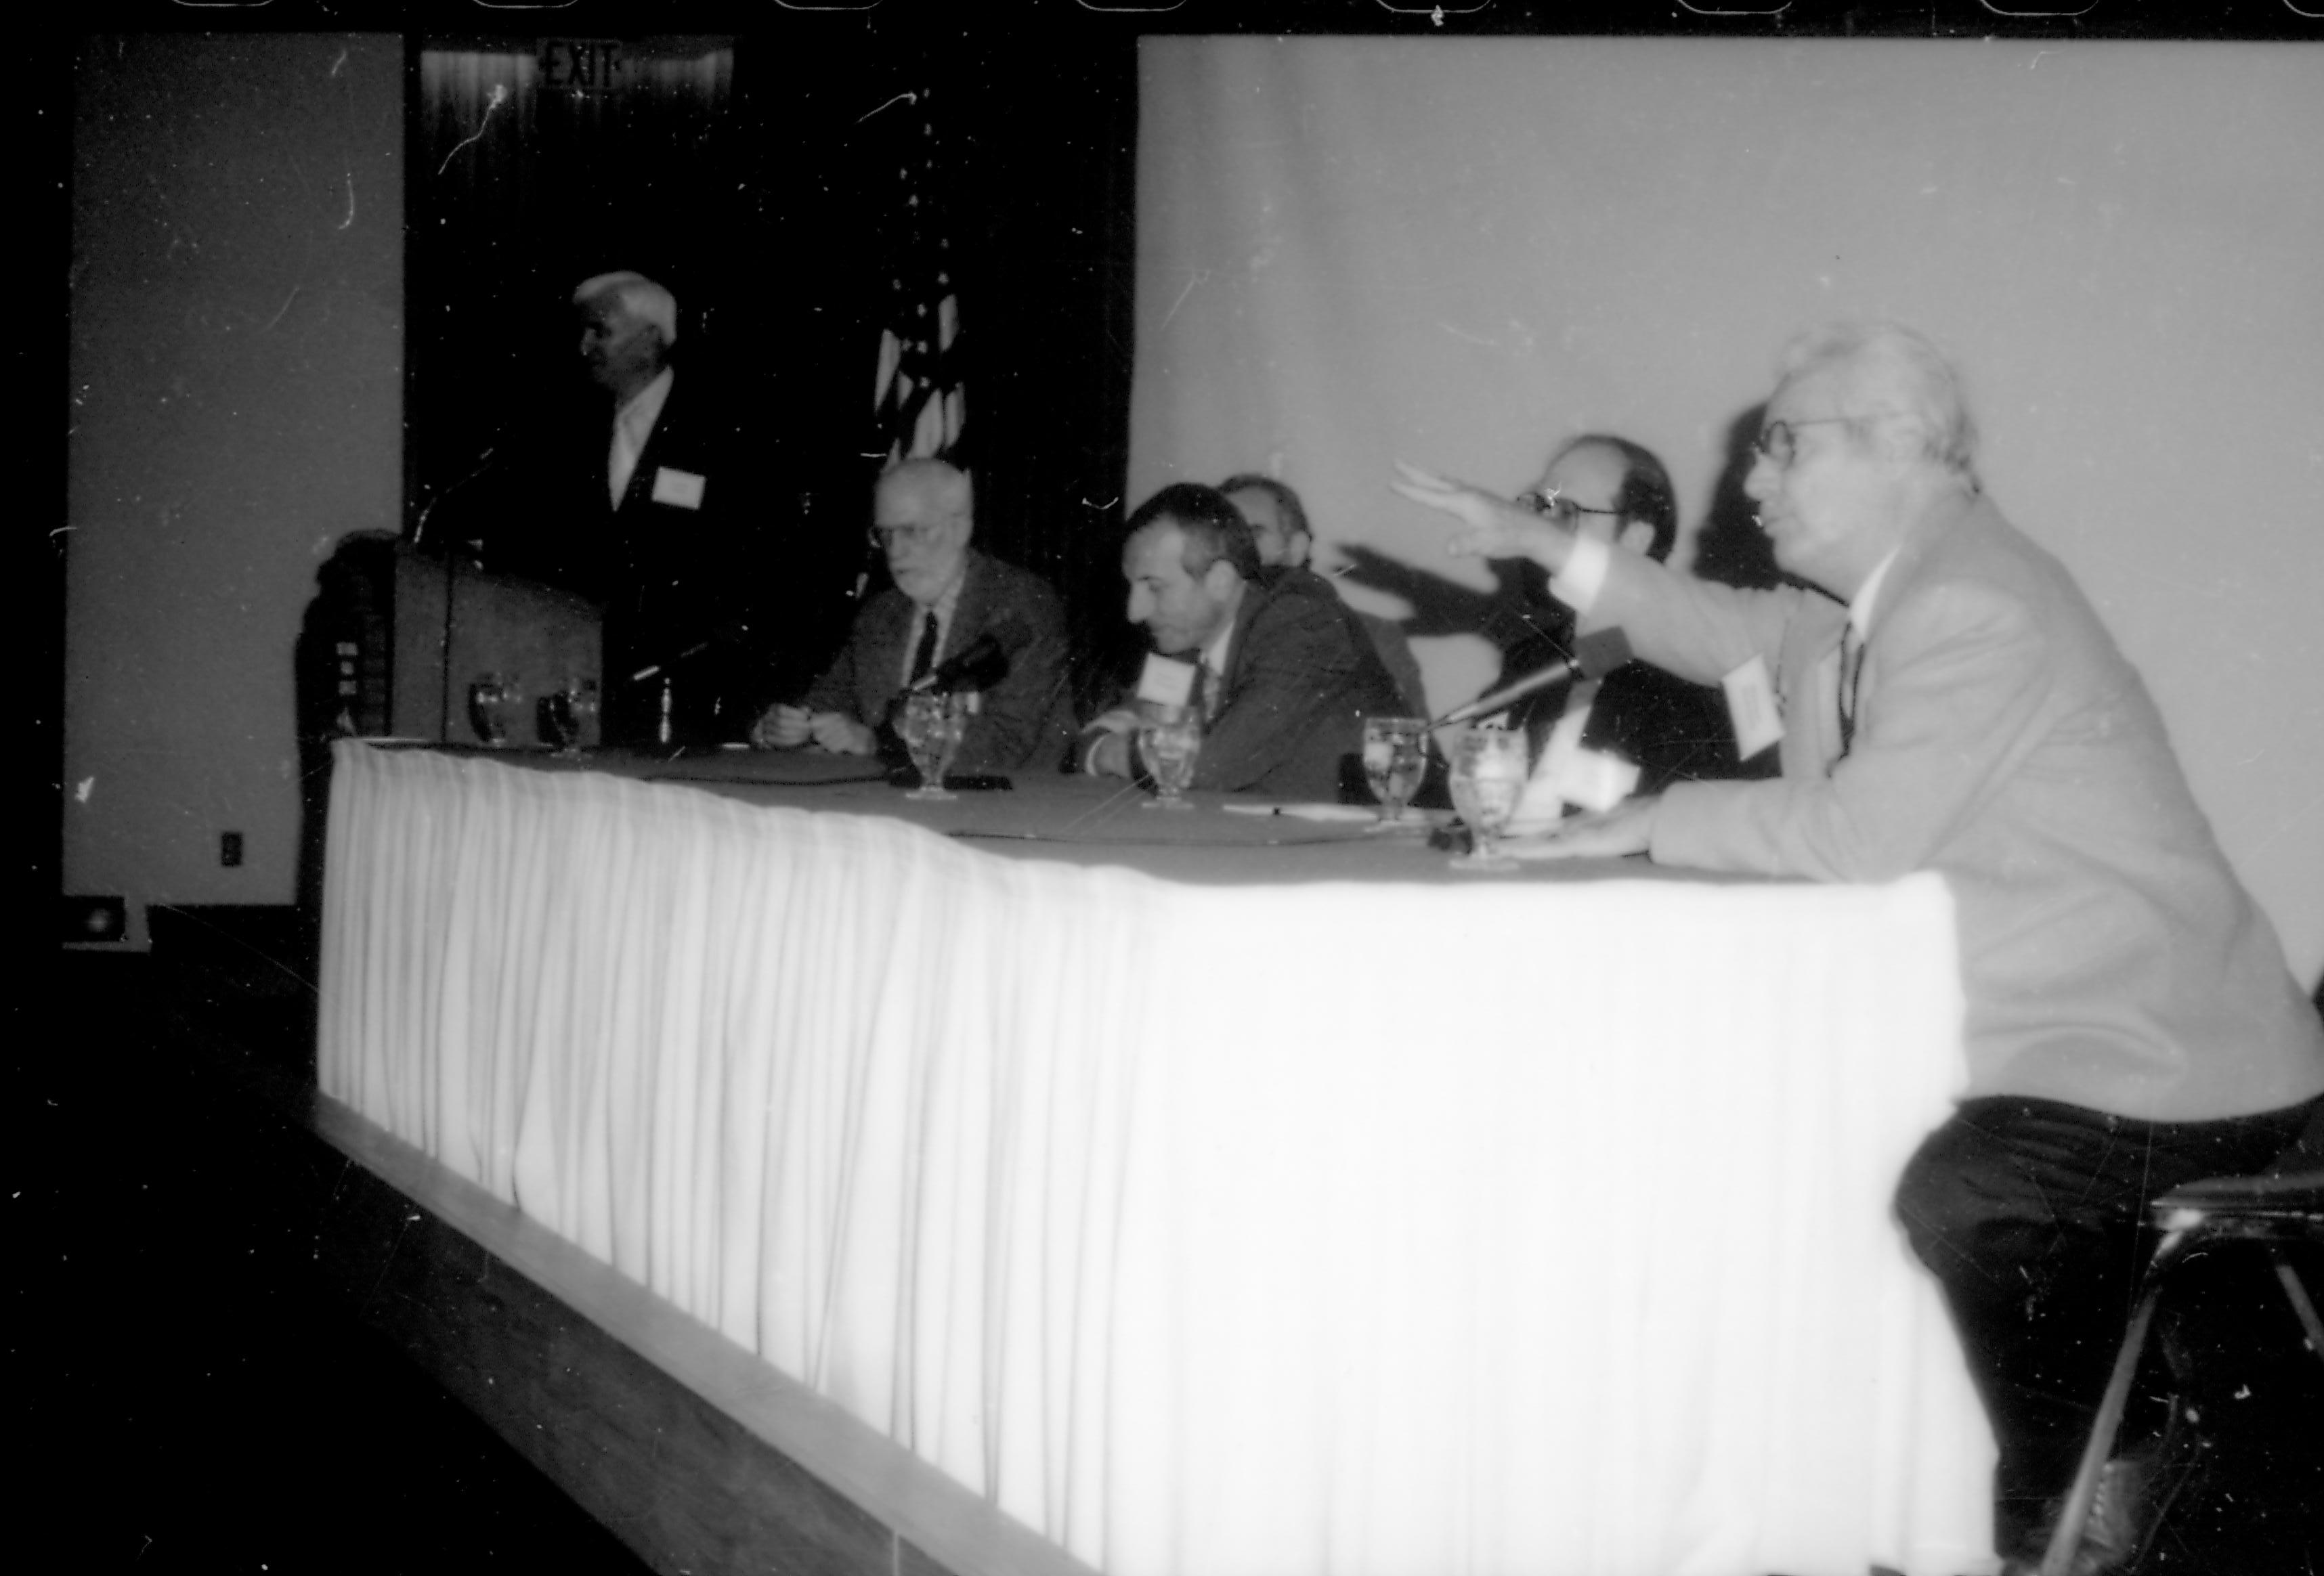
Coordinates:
[2109,957]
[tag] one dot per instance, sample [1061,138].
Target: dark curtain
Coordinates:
[532,172]
[753,176]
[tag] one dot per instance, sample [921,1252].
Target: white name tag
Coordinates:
[1167,681]
[1751,707]
[680,488]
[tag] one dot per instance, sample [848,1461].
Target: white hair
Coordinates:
[944,484]
[1898,362]
[640,298]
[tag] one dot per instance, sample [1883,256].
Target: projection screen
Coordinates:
[1455,252]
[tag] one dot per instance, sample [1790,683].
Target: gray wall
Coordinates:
[1454,253]
[237,406]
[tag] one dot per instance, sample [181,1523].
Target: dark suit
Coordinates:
[1676,732]
[671,569]
[1026,720]
[1301,677]
[1394,653]
[1674,729]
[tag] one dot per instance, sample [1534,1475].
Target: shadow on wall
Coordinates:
[1730,548]
[1525,625]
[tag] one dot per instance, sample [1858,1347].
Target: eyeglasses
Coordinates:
[1776,440]
[1557,509]
[890,539]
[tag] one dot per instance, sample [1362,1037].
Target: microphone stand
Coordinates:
[451,579]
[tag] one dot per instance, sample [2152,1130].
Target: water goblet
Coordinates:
[1396,758]
[1488,778]
[1169,742]
[492,699]
[563,716]
[933,725]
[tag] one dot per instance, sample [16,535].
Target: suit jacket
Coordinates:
[670,568]
[1394,653]
[1027,719]
[1301,677]
[2110,958]
[1675,731]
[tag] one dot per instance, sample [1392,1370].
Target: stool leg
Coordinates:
[2066,1538]
[2299,1303]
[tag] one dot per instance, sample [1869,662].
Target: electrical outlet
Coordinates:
[229,849]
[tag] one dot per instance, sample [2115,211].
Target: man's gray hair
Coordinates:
[952,489]
[1900,361]
[640,298]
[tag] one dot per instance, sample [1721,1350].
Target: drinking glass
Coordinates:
[1169,741]
[1488,778]
[1396,758]
[563,716]
[492,700]
[932,728]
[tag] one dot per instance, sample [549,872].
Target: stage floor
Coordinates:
[197,1401]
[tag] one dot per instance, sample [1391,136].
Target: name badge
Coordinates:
[1167,681]
[1751,707]
[681,489]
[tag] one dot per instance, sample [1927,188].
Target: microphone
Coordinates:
[980,664]
[1595,655]
[483,464]
[726,635]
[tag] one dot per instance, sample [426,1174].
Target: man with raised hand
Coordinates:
[1947,700]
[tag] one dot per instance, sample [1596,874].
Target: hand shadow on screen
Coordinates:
[1514,614]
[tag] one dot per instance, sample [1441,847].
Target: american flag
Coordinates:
[915,402]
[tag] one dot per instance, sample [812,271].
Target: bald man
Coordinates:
[946,596]
[1615,492]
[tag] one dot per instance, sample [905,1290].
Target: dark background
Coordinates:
[189,1399]
[770,203]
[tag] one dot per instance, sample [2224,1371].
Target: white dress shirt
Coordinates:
[633,425]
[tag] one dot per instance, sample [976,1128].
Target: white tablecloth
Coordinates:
[1276,1230]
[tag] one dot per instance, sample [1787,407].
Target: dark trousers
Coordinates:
[2032,1214]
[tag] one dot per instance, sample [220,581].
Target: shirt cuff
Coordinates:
[1093,740]
[1584,576]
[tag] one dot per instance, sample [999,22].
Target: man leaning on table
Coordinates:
[1284,676]
[639,499]
[946,596]
[1951,702]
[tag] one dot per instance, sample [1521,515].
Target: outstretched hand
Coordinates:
[1628,828]
[1495,526]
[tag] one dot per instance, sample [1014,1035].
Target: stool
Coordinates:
[2283,1205]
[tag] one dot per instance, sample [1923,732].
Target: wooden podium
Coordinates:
[394,638]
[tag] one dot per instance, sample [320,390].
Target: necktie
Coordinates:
[1203,695]
[1851,671]
[924,657]
[628,446]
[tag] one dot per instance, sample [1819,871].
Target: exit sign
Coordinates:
[582,65]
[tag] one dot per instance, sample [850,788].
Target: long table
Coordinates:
[1219,1193]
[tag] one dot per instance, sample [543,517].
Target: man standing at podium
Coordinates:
[643,509]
